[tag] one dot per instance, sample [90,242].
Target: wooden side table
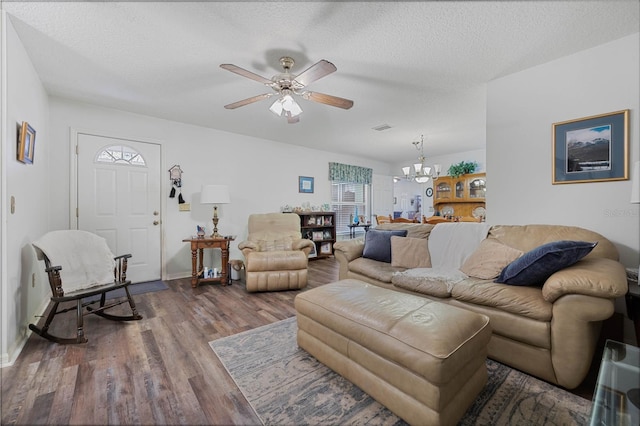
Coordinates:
[197,268]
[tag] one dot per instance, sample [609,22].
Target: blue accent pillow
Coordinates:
[377,244]
[535,266]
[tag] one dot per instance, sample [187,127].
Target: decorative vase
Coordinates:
[356,218]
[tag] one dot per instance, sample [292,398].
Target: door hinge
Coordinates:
[76,149]
[77,213]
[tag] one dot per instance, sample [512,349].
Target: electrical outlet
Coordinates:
[185,207]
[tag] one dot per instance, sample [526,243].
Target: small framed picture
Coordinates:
[313,253]
[26,143]
[305,184]
[327,235]
[591,149]
[311,220]
[317,236]
[325,248]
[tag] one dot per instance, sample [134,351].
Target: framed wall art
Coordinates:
[26,143]
[305,184]
[591,149]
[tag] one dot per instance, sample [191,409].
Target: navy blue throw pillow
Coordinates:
[535,266]
[377,244]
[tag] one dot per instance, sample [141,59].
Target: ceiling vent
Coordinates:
[381,127]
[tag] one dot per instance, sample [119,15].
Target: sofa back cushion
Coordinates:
[409,252]
[377,244]
[274,226]
[414,230]
[528,237]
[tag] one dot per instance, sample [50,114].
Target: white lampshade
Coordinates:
[635,183]
[215,194]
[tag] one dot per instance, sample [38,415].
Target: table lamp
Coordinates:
[215,194]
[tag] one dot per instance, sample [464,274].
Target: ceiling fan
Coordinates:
[286,84]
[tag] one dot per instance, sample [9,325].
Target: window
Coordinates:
[120,155]
[346,199]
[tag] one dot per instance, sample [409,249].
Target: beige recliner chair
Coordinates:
[276,255]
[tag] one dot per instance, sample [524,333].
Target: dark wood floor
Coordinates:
[159,370]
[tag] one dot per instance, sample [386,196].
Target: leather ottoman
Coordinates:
[423,360]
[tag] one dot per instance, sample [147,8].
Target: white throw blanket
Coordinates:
[451,243]
[85,258]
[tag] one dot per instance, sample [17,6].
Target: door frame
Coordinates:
[74,134]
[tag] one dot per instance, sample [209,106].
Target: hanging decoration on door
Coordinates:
[175,175]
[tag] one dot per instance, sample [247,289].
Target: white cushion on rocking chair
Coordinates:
[85,258]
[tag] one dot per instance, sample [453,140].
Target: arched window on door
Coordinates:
[120,154]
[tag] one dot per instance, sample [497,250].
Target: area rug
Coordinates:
[137,288]
[287,386]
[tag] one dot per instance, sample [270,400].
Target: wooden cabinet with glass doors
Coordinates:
[460,197]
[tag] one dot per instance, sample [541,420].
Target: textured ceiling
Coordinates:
[420,67]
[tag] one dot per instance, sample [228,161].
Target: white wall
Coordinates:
[521,109]
[262,175]
[25,100]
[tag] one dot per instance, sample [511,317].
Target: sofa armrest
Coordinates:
[599,277]
[349,249]
[249,245]
[303,244]
[346,251]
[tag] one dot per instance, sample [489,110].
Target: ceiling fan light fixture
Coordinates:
[290,105]
[286,106]
[276,107]
[286,84]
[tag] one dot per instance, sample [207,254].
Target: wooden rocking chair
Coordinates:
[80,265]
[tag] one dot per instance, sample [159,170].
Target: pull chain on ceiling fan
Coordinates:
[286,84]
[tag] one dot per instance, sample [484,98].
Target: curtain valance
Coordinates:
[347,173]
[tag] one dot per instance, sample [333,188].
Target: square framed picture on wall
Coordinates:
[305,184]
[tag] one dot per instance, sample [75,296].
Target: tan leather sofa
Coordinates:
[276,255]
[548,331]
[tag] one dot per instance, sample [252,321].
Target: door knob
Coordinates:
[156,222]
[156,213]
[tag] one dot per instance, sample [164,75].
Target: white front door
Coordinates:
[118,184]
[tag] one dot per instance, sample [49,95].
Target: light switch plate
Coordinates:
[185,207]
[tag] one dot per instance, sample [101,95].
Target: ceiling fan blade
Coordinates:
[245,73]
[248,101]
[315,72]
[328,100]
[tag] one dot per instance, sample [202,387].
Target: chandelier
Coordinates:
[421,173]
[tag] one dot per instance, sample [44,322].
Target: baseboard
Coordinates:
[7,359]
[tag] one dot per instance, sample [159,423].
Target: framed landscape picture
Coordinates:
[591,149]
